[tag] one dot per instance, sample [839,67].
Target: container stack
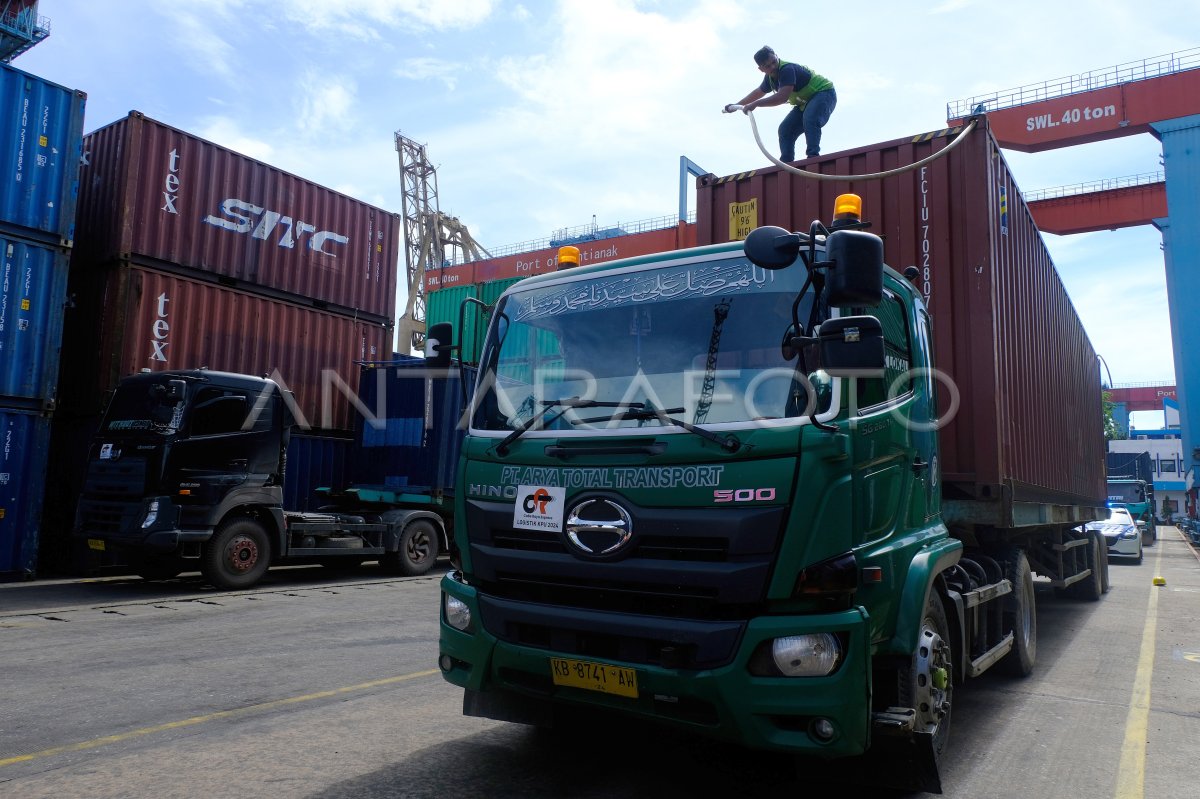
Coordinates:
[41,131]
[189,255]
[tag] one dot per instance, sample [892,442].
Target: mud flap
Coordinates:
[903,763]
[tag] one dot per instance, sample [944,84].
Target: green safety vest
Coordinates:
[802,94]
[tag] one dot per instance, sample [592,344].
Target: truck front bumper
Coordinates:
[730,703]
[150,525]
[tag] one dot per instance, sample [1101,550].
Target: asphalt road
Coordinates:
[316,684]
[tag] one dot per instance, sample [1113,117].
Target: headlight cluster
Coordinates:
[456,612]
[151,515]
[810,655]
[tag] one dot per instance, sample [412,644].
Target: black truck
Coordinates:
[188,470]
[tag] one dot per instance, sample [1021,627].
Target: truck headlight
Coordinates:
[151,515]
[812,655]
[458,614]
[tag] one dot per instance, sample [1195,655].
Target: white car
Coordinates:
[1120,534]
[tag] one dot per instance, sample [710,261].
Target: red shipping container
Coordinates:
[151,193]
[1029,425]
[138,318]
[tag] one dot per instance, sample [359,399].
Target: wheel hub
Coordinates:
[242,553]
[933,672]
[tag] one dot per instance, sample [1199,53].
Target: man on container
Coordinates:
[811,95]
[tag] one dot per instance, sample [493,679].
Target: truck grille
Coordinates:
[687,583]
[112,496]
[122,479]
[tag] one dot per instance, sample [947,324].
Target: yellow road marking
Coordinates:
[1131,775]
[223,714]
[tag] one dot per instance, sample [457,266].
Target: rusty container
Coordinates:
[155,195]
[1015,355]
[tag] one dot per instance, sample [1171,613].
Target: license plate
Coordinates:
[594,677]
[96,544]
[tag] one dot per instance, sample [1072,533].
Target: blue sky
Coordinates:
[541,115]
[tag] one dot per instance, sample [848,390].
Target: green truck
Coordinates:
[706,489]
[1136,496]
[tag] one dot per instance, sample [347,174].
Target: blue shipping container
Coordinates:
[33,292]
[314,462]
[41,144]
[415,438]
[24,441]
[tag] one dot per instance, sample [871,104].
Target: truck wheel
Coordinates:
[1092,587]
[418,550]
[1020,616]
[927,680]
[238,554]
[1103,564]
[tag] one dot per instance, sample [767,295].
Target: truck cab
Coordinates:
[175,452]
[188,469]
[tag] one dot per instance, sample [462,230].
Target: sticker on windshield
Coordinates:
[539,508]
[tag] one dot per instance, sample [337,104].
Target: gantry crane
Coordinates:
[432,240]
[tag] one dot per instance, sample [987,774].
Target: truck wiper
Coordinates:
[566,403]
[645,412]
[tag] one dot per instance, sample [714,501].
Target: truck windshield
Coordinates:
[700,340]
[142,408]
[1132,492]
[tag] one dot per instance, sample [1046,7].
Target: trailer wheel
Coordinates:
[238,554]
[926,682]
[1103,564]
[1020,616]
[417,551]
[1091,588]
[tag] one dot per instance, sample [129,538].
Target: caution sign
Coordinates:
[743,217]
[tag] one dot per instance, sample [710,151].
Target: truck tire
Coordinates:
[926,682]
[238,554]
[1090,588]
[1020,616]
[417,552]
[1103,564]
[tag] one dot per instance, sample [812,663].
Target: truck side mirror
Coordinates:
[852,346]
[439,343]
[176,390]
[855,276]
[772,247]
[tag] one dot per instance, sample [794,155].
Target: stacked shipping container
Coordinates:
[41,131]
[191,255]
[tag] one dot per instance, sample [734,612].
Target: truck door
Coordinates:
[880,416]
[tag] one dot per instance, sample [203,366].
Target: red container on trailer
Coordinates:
[153,194]
[1028,428]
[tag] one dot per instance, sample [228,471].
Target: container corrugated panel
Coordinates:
[33,289]
[24,441]
[40,148]
[1005,331]
[152,193]
[415,439]
[444,305]
[137,318]
[314,462]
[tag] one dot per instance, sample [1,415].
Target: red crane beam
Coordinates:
[1086,116]
[1100,210]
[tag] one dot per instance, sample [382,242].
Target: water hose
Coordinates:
[873,176]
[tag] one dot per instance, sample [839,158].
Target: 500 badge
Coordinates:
[744,495]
